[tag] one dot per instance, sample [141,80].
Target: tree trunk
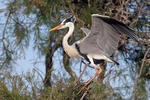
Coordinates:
[49,62]
[67,67]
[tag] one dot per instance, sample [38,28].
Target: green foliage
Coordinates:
[26,87]
[13,87]
[30,20]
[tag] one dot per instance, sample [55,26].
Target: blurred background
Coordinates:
[33,64]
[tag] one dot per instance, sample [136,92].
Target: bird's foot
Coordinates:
[85,86]
[89,81]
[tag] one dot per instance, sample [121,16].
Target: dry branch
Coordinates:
[139,75]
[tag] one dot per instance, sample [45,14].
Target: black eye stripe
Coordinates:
[68,20]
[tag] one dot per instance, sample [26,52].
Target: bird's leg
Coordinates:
[94,75]
[89,81]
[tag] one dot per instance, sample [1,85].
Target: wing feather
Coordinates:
[86,30]
[119,26]
[104,36]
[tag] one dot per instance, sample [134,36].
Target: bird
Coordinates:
[100,42]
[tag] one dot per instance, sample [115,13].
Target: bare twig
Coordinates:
[143,62]
[84,94]
[82,73]
[38,72]
[4,30]
[139,75]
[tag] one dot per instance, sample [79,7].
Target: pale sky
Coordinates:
[26,63]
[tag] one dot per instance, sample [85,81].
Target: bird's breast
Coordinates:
[71,51]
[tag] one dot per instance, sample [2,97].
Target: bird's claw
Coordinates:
[85,86]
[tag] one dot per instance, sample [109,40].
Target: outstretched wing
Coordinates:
[117,25]
[104,36]
[109,33]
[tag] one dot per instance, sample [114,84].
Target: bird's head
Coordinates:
[64,24]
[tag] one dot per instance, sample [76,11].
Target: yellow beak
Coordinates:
[56,28]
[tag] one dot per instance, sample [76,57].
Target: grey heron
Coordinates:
[100,42]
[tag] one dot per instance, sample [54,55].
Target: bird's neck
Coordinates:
[66,37]
[69,49]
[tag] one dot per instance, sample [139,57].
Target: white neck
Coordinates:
[69,49]
[70,32]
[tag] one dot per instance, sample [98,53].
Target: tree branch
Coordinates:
[139,75]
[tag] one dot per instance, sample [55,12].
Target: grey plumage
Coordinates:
[100,42]
[86,30]
[104,36]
